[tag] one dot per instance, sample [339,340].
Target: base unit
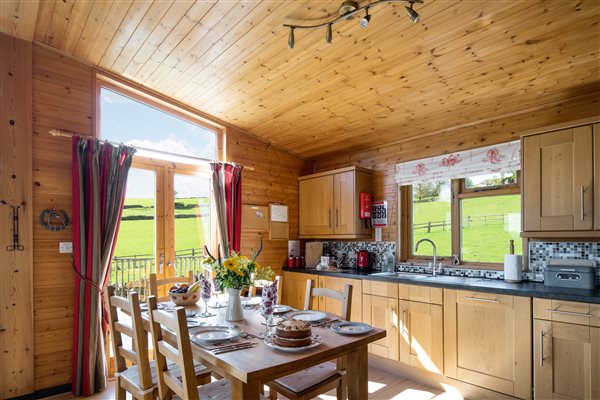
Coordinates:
[487,341]
[294,288]
[382,312]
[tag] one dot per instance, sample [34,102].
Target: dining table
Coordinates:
[249,369]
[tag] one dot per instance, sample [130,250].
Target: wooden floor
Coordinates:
[382,386]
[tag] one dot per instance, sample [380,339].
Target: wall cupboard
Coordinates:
[487,340]
[566,358]
[558,181]
[329,204]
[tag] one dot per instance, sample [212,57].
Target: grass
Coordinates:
[480,242]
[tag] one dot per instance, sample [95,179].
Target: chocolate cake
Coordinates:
[293,333]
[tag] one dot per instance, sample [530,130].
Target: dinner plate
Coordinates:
[280,309]
[306,315]
[193,323]
[251,301]
[351,328]
[316,341]
[215,333]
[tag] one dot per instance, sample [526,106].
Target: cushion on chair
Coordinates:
[302,380]
[131,374]
[218,390]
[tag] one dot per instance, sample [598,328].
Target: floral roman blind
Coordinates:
[503,157]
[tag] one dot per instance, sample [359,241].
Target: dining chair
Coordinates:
[155,283]
[314,381]
[179,352]
[139,379]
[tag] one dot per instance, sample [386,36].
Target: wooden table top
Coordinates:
[263,363]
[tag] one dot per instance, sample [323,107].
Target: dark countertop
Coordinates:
[527,289]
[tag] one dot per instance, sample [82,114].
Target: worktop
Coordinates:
[528,289]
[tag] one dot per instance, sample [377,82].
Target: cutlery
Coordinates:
[234,348]
[329,322]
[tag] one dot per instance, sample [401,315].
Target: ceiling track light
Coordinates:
[347,11]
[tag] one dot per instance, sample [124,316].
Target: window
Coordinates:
[474,218]
[168,218]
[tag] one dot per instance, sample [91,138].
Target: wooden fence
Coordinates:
[470,220]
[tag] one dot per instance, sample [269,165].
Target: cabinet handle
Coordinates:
[329,218]
[580,314]
[403,319]
[481,299]
[336,218]
[582,198]
[541,348]
[392,313]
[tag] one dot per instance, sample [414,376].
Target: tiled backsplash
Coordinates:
[345,252]
[539,252]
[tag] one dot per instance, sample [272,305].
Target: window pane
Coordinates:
[431,217]
[488,223]
[128,121]
[491,180]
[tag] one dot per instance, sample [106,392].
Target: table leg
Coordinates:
[244,391]
[358,374]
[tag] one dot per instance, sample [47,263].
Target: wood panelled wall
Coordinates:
[16,320]
[382,159]
[63,98]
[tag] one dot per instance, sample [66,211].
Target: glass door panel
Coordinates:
[134,256]
[192,220]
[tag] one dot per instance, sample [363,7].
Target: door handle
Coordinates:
[582,199]
[580,314]
[541,348]
[481,299]
[392,313]
[329,218]
[403,319]
[336,218]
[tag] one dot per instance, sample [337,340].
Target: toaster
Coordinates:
[574,274]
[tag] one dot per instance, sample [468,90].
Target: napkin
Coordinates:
[269,298]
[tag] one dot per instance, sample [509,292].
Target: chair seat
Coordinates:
[305,379]
[131,374]
[218,390]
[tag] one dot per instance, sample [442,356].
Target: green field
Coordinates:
[136,237]
[483,240]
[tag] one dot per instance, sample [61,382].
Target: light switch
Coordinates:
[65,247]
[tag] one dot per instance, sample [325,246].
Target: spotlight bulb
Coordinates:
[291,40]
[412,14]
[364,22]
[328,34]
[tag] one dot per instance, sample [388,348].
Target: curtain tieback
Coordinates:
[86,280]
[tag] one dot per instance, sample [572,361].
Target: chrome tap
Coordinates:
[434,270]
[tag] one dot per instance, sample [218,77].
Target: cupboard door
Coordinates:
[382,312]
[294,288]
[567,361]
[487,340]
[335,306]
[597,177]
[558,180]
[316,206]
[344,207]
[426,337]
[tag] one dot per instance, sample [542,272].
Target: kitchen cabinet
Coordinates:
[382,312]
[566,350]
[334,306]
[597,177]
[487,341]
[294,288]
[329,204]
[558,181]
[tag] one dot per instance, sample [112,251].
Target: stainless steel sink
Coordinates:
[401,275]
[452,279]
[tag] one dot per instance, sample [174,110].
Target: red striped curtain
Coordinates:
[227,190]
[99,172]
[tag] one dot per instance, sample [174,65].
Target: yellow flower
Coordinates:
[232,265]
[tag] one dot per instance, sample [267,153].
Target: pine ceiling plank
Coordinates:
[141,33]
[217,21]
[191,19]
[77,20]
[98,14]
[44,19]
[246,50]
[109,29]
[132,19]
[168,22]
[18,18]
[59,22]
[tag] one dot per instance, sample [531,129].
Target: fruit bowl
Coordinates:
[184,299]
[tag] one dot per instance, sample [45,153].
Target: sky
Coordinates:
[128,121]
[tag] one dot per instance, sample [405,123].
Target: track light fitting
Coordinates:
[349,10]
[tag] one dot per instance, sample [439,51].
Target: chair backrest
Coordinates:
[138,354]
[345,297]
[156,283]
[179,354]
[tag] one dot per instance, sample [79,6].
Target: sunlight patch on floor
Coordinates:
[413,394]
[450,393]
[375,386]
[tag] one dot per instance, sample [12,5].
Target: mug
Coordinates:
[325,261]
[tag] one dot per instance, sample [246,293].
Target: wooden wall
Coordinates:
[63,97]
[382,159]
[16,320]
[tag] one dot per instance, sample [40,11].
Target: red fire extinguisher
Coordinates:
[365,200]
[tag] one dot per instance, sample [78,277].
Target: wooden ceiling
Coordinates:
[466,61]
